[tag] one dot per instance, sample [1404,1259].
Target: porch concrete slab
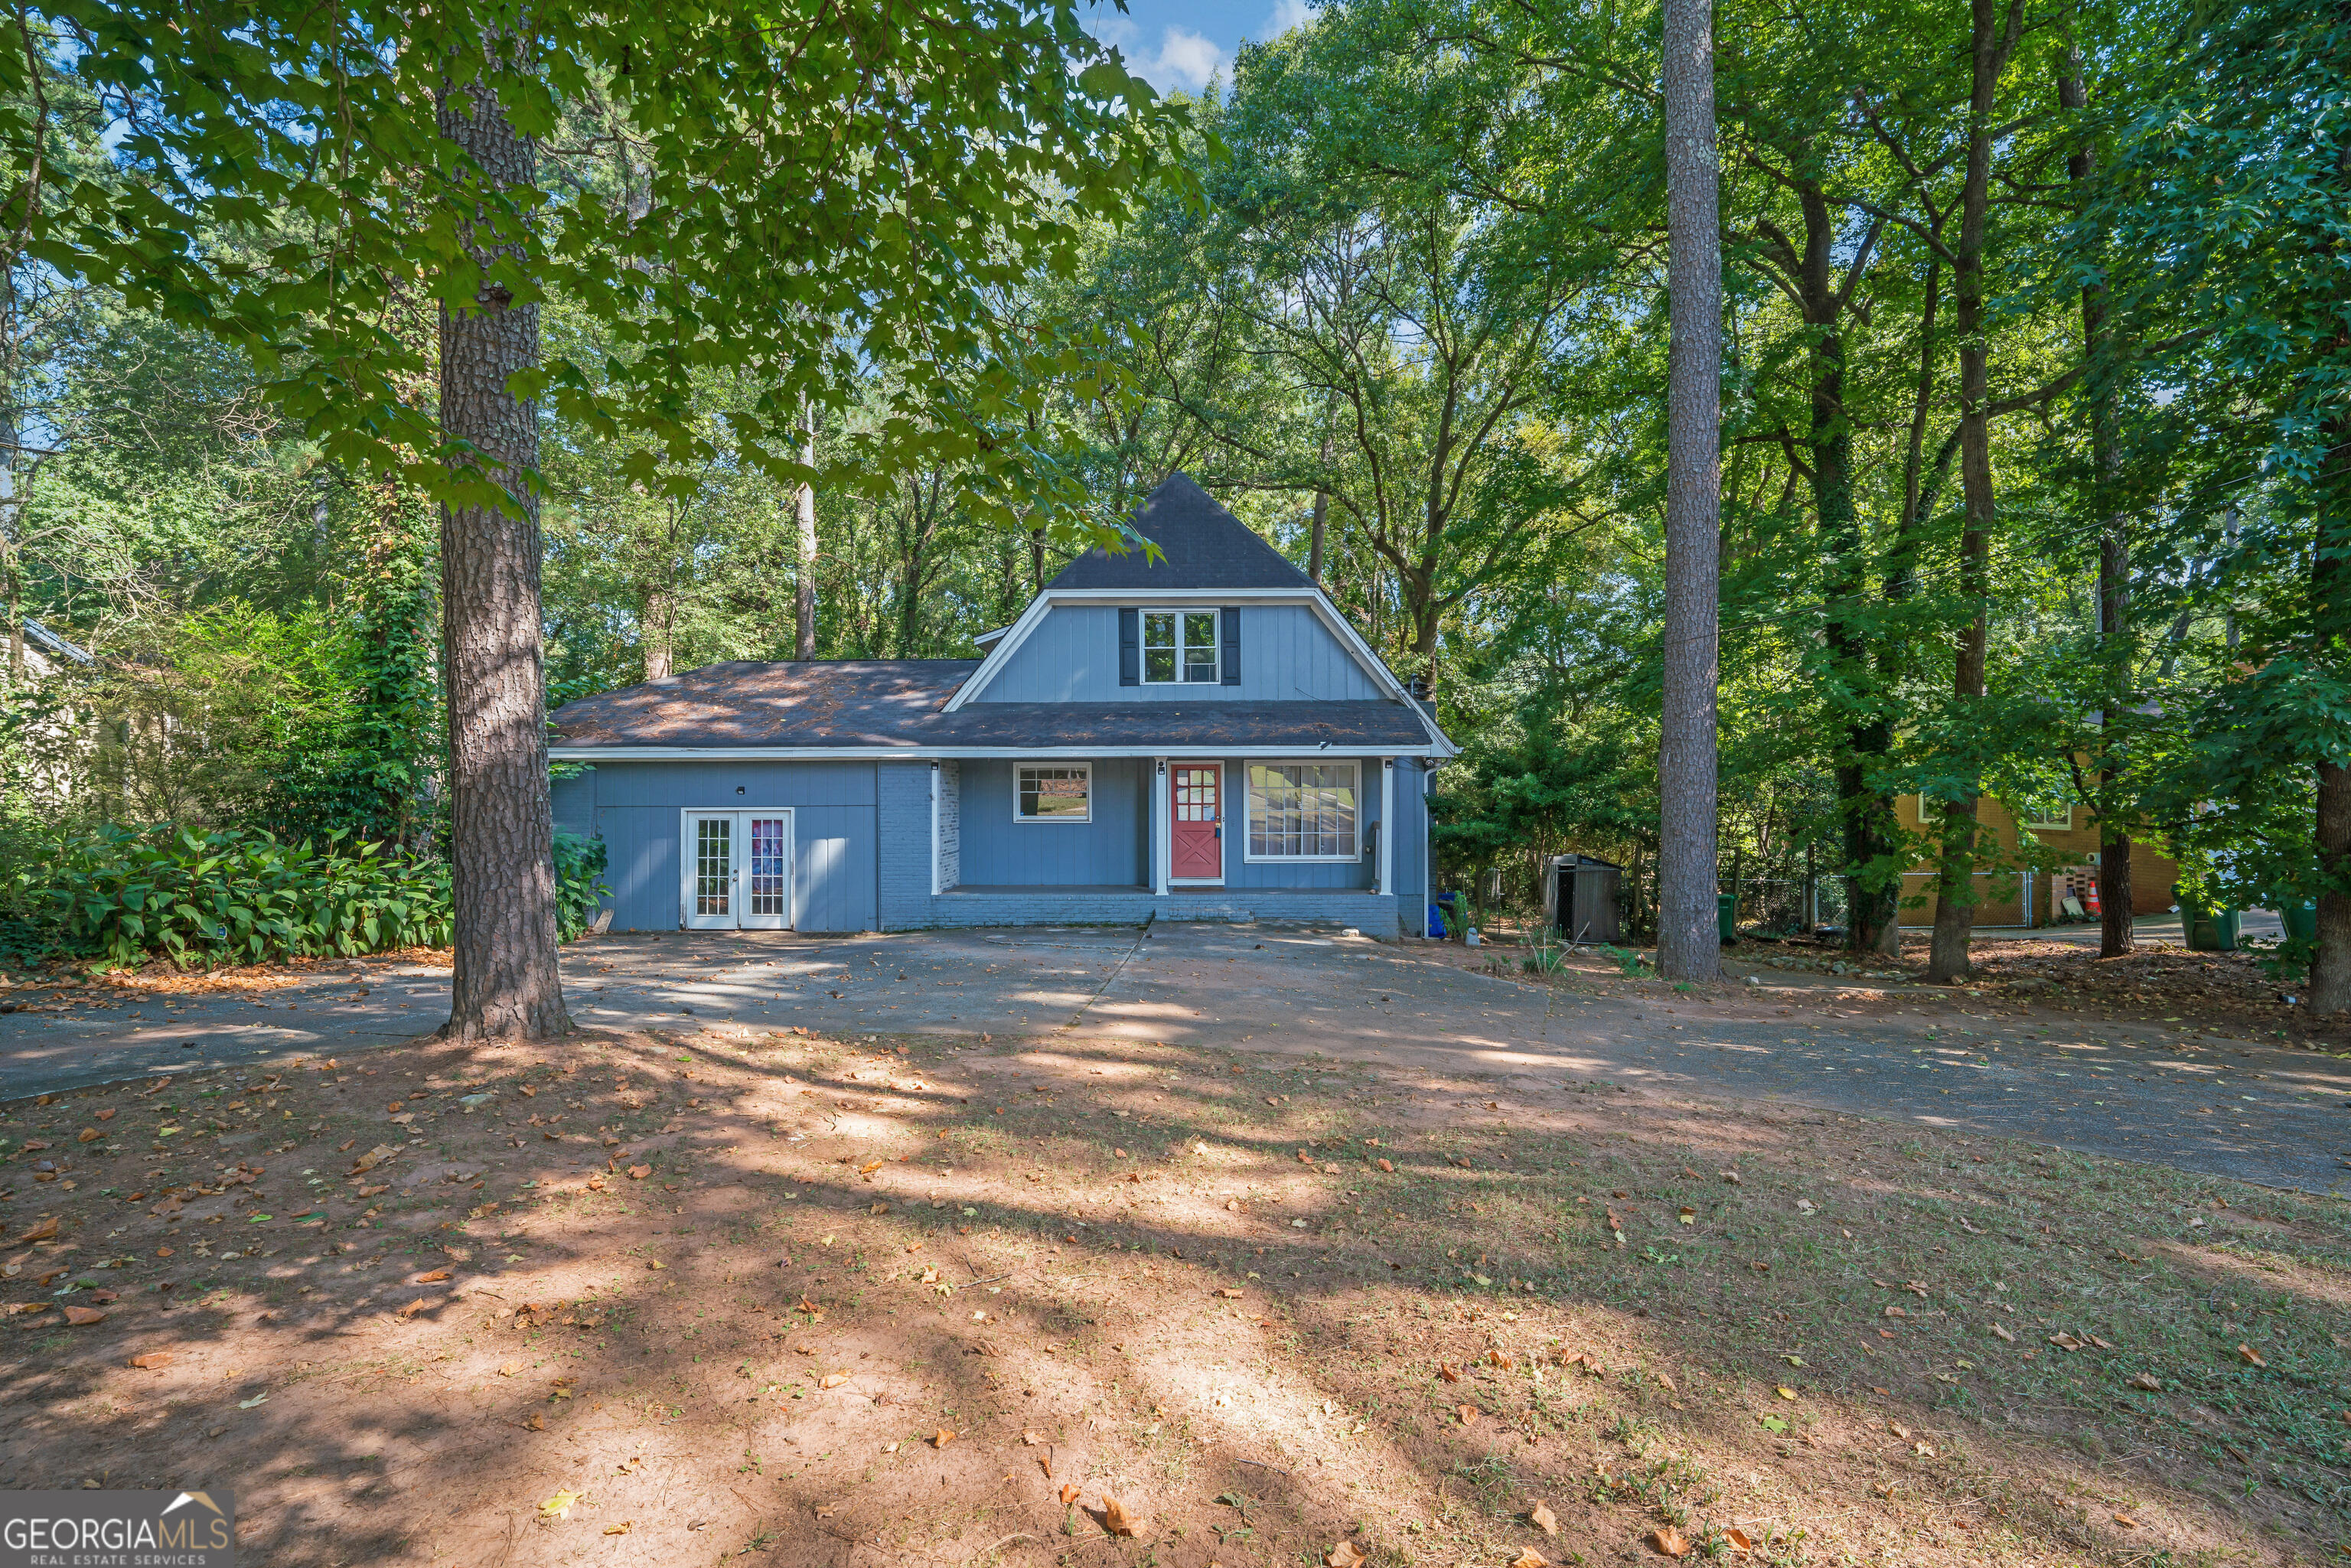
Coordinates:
[2138,1091]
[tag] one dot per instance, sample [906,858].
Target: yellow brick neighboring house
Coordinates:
[2016,898]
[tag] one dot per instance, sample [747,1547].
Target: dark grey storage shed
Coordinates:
[1580,898]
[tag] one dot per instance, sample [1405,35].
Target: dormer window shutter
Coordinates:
[1130,647]
[1232,661]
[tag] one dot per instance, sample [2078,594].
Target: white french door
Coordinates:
[736,870]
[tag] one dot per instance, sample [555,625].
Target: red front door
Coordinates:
[1196,843]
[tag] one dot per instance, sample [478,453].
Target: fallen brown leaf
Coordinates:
[639,1173]
[1345,1555]
[1543,1519]
[1529,1557]
[430,1277]
[40,1231]
[834,1380]
[942,1438]
[154,1360]
[1069,1494]
[2148,1381]
[2245,1353]
[1669,1540]
[1115,1518]
[619,1529]
[1738,1539]
[82,1317]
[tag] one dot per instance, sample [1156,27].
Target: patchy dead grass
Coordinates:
[676,1299]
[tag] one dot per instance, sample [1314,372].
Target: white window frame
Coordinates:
[1085,768]
[1215,645]
[2048,824]
[1248,810]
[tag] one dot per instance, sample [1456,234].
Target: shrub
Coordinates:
[245,897]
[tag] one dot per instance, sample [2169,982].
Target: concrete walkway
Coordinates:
[2146,1091]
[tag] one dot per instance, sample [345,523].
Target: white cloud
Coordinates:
[1185,60]
[1287,14]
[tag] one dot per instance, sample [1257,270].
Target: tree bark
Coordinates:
[804,512]
[1992,38]
[2116,936]
[656,632]
[2330,590]
[505,984]
[1688,947]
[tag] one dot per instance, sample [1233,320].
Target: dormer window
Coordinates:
[1179,646]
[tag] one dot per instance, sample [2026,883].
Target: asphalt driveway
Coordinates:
[2161,1092]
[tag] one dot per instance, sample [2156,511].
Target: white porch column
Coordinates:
[1159,828]
[1387,824]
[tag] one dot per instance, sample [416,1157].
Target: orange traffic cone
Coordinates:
[2090,896]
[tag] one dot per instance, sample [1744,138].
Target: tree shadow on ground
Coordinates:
[864,1304]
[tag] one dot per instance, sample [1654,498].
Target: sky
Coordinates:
[1178,44]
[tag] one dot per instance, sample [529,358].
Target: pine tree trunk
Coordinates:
[1954,892]
[804,511]
[2330,589]
[505,984]
[1688,947]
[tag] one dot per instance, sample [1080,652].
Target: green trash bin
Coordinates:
[1726,915]
[2212,930]
[2300,920]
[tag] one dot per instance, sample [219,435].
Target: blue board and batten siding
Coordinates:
[863,855]
[634,807]
[1112,850]
[1287,655]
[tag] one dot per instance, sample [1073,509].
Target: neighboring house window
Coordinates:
[2061,822]
[1301,811]
[1179,645]
[1061,794]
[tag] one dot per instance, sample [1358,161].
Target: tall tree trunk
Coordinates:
[2115,930]
[1688,947]
[804,513]
[1321,517]
[1992,38]
[2330,593]
[656,632]
[505,984]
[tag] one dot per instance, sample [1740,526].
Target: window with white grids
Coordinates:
[1303,812]
[1179,645]
[1061,792]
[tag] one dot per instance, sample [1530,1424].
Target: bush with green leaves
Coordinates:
[242,898]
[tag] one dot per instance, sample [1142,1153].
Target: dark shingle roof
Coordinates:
[825,702]
[1204,545]
[898,703]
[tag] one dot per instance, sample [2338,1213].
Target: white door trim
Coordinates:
[738,915]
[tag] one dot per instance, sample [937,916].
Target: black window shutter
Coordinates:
[1130,648]
[1232,659]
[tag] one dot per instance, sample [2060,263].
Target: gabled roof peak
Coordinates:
[1204,546]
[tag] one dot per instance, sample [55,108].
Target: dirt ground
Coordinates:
[685,1295]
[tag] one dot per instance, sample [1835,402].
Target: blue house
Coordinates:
[1198,737]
